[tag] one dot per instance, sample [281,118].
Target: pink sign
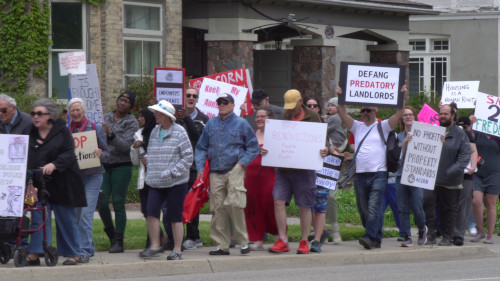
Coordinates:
[428,115]
[239,77]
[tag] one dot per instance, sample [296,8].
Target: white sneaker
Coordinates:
[473,231]
[198,242]
[189,244]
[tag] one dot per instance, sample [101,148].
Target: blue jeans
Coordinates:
[391,199]
[66,230]
[370,188]
[85,215]
[410,196]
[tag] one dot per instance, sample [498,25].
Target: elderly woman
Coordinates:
[52,149]
[92,177]
[169,158]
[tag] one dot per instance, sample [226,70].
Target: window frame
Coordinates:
[141,39]
[143,31]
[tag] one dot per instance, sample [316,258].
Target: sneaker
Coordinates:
[189,244]
[473,231]
[478,237]
[324,236]
[407,243]
[458,241]
[367,243]
[303,247]
[311,235]
[199,243]
[174,256]
[316,246]
[279,247]
[256,247]
[489,240]
[422,236]
[218,252]
[150,253]
[431,241]
[244,250]
[445,242]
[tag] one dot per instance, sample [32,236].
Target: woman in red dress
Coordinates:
[259,182]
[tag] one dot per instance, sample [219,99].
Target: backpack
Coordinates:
[392,150]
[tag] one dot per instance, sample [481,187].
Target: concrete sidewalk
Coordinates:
[128,265]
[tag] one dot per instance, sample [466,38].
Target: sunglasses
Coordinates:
[4,110]
[38,113]
[367,110]
[224,102]
[195,96]
[312,105]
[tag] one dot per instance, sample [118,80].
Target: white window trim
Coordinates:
[142,39]
[142,31]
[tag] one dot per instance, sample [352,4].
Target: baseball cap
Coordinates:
[226,97]
[291,98]
[258,95]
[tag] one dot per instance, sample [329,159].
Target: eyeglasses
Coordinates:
[124,100]
[38,113]
[195,96]
[367,110]
[4,110]
[408,115]
[312,105]
[224,102]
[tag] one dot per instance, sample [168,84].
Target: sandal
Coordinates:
[256,247]
[71,261]
[31,261]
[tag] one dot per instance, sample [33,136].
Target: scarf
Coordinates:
[78,127]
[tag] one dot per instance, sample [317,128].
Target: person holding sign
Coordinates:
[92,177]
[52,149]
[230,144]
[13,121]
[371,169]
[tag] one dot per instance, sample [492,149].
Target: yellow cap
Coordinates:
[291,98]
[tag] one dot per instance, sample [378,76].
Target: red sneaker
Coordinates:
[279,247]
[303,247]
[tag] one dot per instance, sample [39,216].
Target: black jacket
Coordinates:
[21,126]
[65,185]
[455,156]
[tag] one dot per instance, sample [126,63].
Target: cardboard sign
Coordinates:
[169,85]
[428,115]
[13,165]
[72,63]
[210,91]
[463,93]
[421,161]
[294,144]
[239,77]
[371,84]
[86,87]
[488,114]
[85,145]
[327,176]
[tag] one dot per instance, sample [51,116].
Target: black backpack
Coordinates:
[392,150]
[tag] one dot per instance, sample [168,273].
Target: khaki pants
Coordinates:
[227,202]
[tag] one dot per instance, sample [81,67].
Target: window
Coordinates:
[429,64]
[67,19]
[142,28]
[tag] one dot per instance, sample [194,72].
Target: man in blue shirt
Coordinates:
[230,144]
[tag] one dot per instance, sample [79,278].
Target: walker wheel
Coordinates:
[51,256]
[20,256]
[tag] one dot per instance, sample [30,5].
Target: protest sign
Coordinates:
[371,84]
[327,176]
[72,63]
[86,87]
[487,113]
[294,144]
[169,85]
[428,115]
[463,93]
[423,152]
[239,77]
[210,91]
[13,165]
[85,145]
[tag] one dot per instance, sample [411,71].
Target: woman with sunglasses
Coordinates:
[312,103]
[52,149]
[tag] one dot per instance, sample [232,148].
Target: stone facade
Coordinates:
[228,55]
[313,71]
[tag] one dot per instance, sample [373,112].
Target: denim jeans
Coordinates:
[85,215]
[391,199]
[370,188]
[410,196]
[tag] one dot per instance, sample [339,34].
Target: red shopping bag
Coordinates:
[197,196]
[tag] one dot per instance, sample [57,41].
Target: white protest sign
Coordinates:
[211,89]
[371,84]
[85,145]
[421,161]
[327,176]
[294,144]
[463,93]
[169,85]
[488,114]
[72,63]
[86,87]
[13,165]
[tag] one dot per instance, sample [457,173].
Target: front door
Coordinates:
[273,73]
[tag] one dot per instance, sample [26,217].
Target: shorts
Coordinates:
[174,196]
[321,200]
[489,184]
[298,183]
